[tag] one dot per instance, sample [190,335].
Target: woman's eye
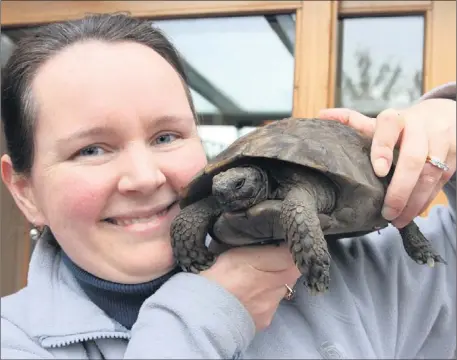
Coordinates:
[91,151]
[165,139]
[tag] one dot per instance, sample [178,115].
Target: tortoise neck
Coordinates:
[266,189]
[324,192]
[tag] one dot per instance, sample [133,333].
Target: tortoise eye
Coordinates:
[239,184]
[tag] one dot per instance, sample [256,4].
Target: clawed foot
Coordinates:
[428,257]
[317,285]
[313,263]
[418,247]
[317,276]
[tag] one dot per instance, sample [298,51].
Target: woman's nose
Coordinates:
[141,172]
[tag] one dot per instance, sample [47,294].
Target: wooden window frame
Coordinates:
[440,37]
[439,42]
[316,44]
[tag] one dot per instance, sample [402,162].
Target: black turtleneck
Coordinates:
[121,302]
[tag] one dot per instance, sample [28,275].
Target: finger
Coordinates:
[389,125]
[445,177]
[426,184]
[279,292]
[285,290]
[411,160]
[451,163]
[361,123]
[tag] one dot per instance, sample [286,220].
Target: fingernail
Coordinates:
[388,213]
[381,167]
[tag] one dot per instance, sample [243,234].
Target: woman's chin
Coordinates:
[140,264]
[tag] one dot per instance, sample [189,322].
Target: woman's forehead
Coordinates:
[92,78]
[110,62]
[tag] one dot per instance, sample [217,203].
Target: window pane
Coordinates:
[217,137]
[381,62]
[240,70]
[242,57]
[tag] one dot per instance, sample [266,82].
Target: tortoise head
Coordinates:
[241,187]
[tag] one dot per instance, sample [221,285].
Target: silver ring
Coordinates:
[438,163]
[290,293]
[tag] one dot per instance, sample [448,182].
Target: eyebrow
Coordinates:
[165,120]
[98,131]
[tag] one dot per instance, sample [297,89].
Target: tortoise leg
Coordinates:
[303,233]
[418,247]
[188,234]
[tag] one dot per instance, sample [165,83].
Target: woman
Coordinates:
[101,135]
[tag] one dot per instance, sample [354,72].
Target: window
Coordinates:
[240,69]
[380,62]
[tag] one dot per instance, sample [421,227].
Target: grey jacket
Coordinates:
[380,305]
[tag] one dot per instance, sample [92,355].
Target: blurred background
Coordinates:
[251,62]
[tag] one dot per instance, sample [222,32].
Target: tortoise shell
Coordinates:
[328,146]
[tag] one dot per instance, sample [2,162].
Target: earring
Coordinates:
[34,234]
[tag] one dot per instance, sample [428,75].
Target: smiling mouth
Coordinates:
[140,220]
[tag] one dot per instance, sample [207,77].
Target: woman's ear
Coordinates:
[20,187]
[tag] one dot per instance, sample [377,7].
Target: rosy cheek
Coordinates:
[186,163]
[78,199]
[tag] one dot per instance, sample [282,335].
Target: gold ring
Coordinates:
[438,163]
[290,293]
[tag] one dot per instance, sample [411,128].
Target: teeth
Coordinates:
[137,220]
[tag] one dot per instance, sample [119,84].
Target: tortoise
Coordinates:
[321,172]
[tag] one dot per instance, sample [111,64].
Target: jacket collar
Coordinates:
[61,308]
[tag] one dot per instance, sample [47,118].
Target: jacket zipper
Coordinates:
[60,341]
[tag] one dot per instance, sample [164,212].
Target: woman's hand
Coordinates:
[427,128]
[257,276]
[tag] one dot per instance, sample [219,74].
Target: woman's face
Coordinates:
[115,141]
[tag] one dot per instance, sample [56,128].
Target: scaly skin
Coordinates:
[303,232]
[188,234]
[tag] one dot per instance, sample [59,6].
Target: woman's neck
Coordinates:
[121,302]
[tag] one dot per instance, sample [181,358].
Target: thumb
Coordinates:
[359,122]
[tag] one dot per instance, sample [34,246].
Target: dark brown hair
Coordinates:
[32,51]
